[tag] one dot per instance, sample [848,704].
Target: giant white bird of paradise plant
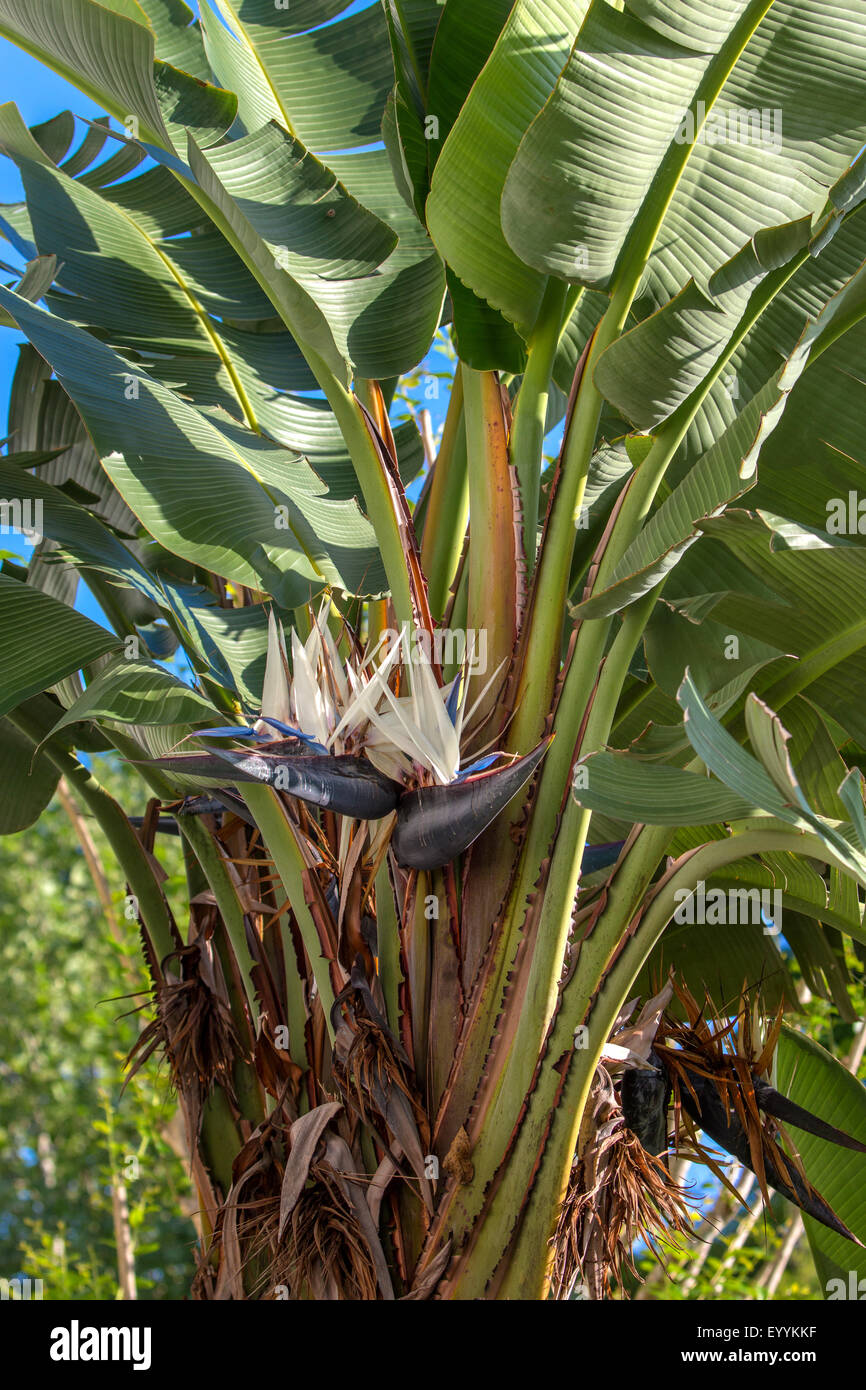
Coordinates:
[421,895]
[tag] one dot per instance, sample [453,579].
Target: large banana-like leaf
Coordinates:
[723,474]
[632,790]
[247,181]
[466,35]
[587,162]
[108,51]
[29,780]
[803,889]
[231,642]
[708,960]
[810,470]
[80,534]
[651,370]
[41,641]
[769,778]
[177,36]
[733,186]
[127,286]
[327,86]
[137,692]
[222,508]
[811,605]
[814,1079]
[814,286]
[463,210]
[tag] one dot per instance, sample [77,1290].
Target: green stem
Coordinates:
[541,661]
[593,633]
[493,559]
[279,836]
[561,887]
[593,997]
[447,511]
[500,1103]
[377,494]
[527,433]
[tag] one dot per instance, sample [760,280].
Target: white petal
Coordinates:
[309,704]
[275,691]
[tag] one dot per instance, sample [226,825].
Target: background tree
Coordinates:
[78,1154]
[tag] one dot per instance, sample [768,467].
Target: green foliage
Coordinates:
[66,1126]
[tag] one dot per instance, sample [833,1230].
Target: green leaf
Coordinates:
[407,152]
[296,206]
[207,490]
[654,367]
[587,162]
[41,415]
[815,461]
[770,783]
[233,642]
[484,340]
[116,280]
[412,26]
[733,186]
[812,606]
[388,319]
[327,86]
[382,322]
[37,278]
[824,973]
[814,1079]
[296,306]
[80,535]
[733,765]
[41,641]
[803,889]
[463,210]
[725,472]
[191,107]
[178,36]
[138,692]
[718,961]
[106,52]
[638,792]
[698,24]
[28,783]
[56,135]
[465,38]
[674,644]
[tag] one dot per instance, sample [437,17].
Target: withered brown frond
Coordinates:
[195,1029]
[373,1074]
[326,1254]
[324,1233]
[618,1194]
